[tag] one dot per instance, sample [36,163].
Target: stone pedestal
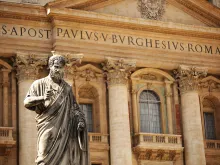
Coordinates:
[120,139]
[188,78]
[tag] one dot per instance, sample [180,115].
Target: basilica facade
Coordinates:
[145,73]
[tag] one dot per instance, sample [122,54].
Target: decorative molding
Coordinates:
[74,4]
[100,5]
[152,9]
[23,11]
[199,10]
[210,83]
[118,70]
[89,72]
[189,77]
[29,64]
[148,76]
[157,154]
[169,94]
[151,74]
[30,1]
[88,92]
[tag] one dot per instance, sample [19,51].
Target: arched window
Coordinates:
[149,104]
[89,103]
[209,119]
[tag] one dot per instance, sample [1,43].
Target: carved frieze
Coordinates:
[88,92]
[157,154]
[28,65]
[148,77]
[152,9]
[189,77]
[210,83]
[31,1]
[118,70]
[89,72]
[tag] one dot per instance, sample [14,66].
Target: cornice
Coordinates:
[47,13]
[199,9]
[76,4]
[100,5]
[132,23]
[23,11]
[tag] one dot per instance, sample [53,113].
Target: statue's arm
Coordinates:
[32,101]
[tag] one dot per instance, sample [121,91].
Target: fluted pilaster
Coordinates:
[5,85]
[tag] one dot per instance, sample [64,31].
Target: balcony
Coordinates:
[6,139]
[98,141]
[212,144]
[212,149]
[150,146]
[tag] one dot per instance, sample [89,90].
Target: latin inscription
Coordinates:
[117,39]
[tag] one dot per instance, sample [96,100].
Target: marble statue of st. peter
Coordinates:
[62,133]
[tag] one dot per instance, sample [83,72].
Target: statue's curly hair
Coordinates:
[59,58]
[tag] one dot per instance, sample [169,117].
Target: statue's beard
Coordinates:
[57,76]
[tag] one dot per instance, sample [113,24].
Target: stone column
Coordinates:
[14,100]
[134,109]
[5,84]
[1,101]
[188,78]
[120,140]
[169,106]
[28,67]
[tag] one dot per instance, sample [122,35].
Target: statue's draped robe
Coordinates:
[58,137]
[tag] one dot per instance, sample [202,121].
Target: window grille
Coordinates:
[209,122]
[149,104]
[87,110]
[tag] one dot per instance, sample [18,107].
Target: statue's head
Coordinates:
[56,65]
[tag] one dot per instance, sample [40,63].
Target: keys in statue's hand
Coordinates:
[80,126]
[47,94]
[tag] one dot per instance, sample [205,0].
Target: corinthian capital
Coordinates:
[29,64]
[118,70]
[189,77]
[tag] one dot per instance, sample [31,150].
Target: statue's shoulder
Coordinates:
[40,81]
[67,84]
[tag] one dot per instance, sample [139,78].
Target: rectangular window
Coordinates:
[209,125]
[87,110]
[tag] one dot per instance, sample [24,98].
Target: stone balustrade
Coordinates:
[6,133]
[212,144]
[158,139]
[6,138]
[98,138]
[151,146]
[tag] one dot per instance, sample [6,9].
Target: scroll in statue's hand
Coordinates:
[81,126]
